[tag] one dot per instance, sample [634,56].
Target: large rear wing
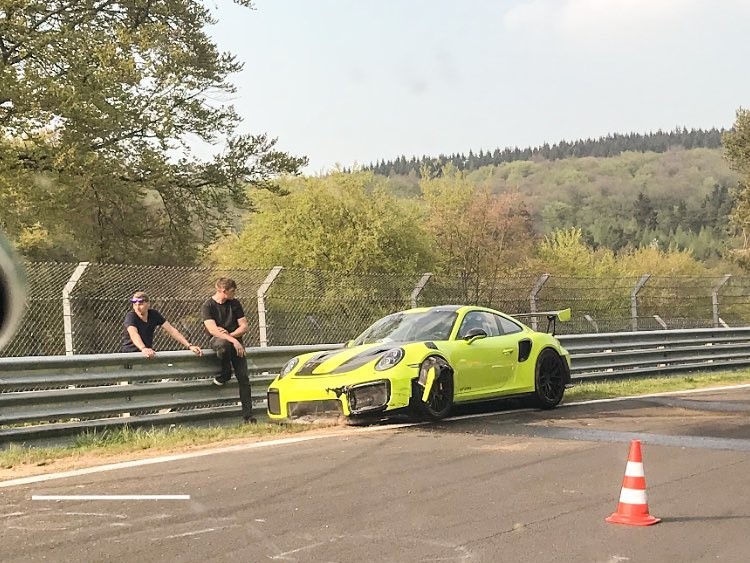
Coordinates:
[562,315]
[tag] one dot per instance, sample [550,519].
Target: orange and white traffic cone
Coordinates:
[633,506]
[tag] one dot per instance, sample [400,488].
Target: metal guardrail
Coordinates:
[53,396]
[625,354]
[47,397]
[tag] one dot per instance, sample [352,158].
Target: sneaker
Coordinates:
[250,420]
[219,382]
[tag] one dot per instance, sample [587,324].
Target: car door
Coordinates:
[486,365]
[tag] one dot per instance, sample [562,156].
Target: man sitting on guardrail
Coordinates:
[140,325]
[225,321]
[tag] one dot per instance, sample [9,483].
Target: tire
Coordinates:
[440,401]
[549,382]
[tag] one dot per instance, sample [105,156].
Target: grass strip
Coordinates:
[118,441]
[588,391]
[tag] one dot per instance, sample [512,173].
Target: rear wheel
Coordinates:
[440,400]
[550,379]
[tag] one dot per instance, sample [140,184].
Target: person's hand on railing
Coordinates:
[148,352]
[238,347]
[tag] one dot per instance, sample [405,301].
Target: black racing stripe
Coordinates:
[352,363]
[310,365]
[367,356]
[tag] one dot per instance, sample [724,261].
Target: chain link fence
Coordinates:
[42,332]
[100,300]
[79,308]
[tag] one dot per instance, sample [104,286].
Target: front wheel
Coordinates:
[550,379]
[440,400]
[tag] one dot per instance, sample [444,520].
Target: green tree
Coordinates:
[478,235]
[645,214]
[564,253]
[340,222]
[737,144]
[657,262]
[737,152]
[558,215]
[98,102]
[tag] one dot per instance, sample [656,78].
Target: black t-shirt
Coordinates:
[224,314]
[145,329]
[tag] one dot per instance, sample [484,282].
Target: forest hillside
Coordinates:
[679,197]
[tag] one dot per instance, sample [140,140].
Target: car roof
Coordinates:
[451,308]
[457,308]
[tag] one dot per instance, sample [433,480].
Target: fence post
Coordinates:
[419,287]
[262,290]
[592,322]
[67,311]
[634,300]
[532,297]
[715,298]
[661,322]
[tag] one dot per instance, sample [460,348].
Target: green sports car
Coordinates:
[422,362]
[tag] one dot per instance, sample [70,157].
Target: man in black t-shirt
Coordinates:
[225,321]
[140,324]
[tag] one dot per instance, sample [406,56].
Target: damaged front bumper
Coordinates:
[361,398]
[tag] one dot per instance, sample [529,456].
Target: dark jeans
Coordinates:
[229,359]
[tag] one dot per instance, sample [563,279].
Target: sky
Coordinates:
[348,82]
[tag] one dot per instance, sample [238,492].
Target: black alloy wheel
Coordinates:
[550,379]
[440,400]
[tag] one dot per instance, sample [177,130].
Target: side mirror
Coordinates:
[475,334]
[12,292]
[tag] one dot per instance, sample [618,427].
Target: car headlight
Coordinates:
[289,366]
[390,359]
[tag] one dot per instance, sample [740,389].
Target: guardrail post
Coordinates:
[634,300]
[419,287]
[715,298]
[533,295]
[262,290]
[67,311]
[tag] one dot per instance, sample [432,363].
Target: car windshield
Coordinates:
[410,327]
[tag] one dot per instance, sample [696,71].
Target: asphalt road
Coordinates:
[491,486]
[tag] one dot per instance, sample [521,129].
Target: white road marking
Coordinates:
[46,529]
[261,537]
[662,394]
[95,514]
[110,497]
[462,553]
[299,439]
[12,514]
[597,401]
[305,548]
[195,533]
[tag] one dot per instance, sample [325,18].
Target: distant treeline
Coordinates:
[611,145]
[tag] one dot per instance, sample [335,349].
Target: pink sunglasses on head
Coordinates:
[138,300]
